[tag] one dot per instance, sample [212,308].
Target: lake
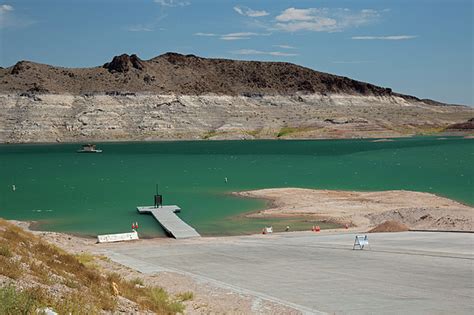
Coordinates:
[90,194]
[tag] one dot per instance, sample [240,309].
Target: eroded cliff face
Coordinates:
[126,116]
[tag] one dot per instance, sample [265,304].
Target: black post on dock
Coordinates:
[158,198]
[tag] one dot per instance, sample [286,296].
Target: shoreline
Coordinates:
[275,208]
[385,138]
[398,205]
[271,203]
[211,297]
[364,209]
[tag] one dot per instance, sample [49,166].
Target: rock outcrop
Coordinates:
[468,125]
[124,63]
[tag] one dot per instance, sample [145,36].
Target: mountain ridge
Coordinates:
[174,73]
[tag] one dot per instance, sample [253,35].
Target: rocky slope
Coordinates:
[36,276]
[174,96]
[173,73]
[468,125]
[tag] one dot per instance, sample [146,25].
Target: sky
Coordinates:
[418,47]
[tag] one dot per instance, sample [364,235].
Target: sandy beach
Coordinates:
[364,210]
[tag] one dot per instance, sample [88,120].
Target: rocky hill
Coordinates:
[181,74]
[175,96]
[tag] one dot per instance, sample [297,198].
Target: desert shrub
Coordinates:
[41,272]
[151,298]
[13,301]
[185,296]
[10,268]
[159,301]
[71,284]
[287,130]
[209,134]
[87,260]
[5,251]
[75,303]
[136,281]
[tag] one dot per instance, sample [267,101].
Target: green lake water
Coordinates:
[92,194]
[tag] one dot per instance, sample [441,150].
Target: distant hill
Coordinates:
[182,74]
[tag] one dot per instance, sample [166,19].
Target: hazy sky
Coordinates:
[418,47]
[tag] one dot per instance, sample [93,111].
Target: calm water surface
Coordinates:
[92,194]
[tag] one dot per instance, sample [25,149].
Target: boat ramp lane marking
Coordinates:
[165,215]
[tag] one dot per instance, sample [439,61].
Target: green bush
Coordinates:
[160,302]
[287,130]
[13,301]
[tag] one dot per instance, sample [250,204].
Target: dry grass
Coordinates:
[185,296]
[253,133]
[14,301]
[9,267]
[87,260]
[137,281]
[85,289]
[210,134]
[5,251]
[285,131]
[151,298]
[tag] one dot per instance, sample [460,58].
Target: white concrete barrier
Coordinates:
[120,237]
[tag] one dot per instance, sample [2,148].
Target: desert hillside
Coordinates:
[175,96]
[37,276]
[173,73]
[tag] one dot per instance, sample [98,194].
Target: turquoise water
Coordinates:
[90,194]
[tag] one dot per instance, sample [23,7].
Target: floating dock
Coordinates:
[173,225]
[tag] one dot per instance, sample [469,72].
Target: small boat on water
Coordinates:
[89,148]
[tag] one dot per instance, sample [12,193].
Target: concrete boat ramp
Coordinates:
[403,273]
[173,225]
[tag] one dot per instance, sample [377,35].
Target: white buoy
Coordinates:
[13,187]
